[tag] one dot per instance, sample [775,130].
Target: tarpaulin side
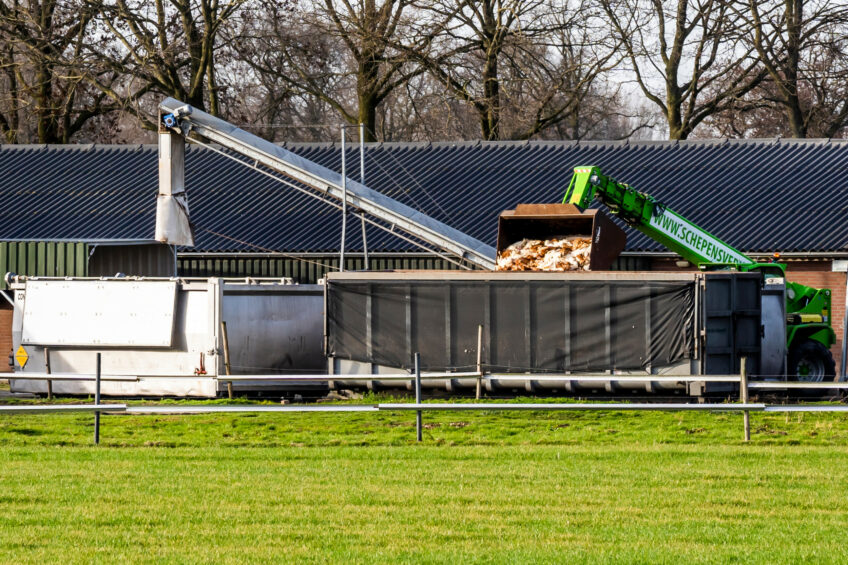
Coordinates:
[540,326]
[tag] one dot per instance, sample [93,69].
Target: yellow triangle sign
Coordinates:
[22,356]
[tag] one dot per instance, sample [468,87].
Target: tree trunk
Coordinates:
[573,121]
[490,119]
[367,97]
[13,123]
[197,76]
[47,127]
[212,88]
[676,130]
[795,116]
[794,22]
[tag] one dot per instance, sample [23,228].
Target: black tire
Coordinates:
[810,361]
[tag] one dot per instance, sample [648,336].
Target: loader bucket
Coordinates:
[546,221]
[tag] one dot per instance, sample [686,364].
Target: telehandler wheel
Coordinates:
[812,362]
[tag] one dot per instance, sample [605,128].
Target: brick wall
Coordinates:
[819,274]
[811,273]
[5,336]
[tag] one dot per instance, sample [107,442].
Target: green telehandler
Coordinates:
[809,334]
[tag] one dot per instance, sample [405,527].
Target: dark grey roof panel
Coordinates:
[758,195]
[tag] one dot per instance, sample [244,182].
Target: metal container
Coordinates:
[165,332]
[551,326]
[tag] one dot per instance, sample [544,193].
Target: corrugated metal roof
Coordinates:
[757,195]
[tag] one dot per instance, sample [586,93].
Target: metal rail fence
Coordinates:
[419,406]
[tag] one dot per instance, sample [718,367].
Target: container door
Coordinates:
[733,322]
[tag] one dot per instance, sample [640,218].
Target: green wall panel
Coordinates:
[71,260]
[43,258]
[303,270]
[309,269]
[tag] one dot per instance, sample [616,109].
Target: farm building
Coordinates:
[90,210]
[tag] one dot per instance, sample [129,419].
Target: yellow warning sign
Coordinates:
[22,356]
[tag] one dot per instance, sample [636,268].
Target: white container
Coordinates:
[165,332]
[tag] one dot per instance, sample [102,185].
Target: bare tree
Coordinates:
[802,45]
[335,51]
[44,97]
[523,66]
[166,47]
[468,52]
[559,84]
[678,50]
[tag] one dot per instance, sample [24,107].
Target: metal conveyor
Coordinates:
[181,121]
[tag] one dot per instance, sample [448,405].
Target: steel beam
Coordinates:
[48,408]
[656,406]
[212,408]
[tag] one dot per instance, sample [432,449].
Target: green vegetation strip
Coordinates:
[512,487]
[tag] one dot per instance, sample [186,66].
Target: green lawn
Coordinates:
[496,487]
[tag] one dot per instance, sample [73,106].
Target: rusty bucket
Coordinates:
[548,221]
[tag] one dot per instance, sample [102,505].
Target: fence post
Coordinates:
[47,370]
[418,394]
[227,358]
[479,360]
[97,402]
[743,392]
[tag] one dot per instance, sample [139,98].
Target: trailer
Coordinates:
[540,331]
[552,328]
[164,336]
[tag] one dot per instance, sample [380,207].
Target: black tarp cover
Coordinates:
[540,326]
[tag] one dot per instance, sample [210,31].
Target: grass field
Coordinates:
[497,487]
